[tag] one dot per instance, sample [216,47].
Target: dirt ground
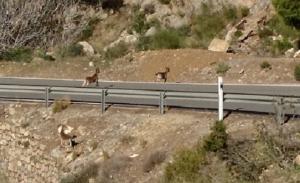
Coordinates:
[186,65]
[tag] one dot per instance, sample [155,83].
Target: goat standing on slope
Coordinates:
[64,132]
[162,75]
[92,79]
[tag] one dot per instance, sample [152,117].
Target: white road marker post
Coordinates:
[220,98]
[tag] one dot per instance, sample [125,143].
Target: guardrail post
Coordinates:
[220,98]
[104,92]
[47,91]
[279,110]
[161,102]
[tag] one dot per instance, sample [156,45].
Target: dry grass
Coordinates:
[61,104]
[154,159]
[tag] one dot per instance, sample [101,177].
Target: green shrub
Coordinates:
[217,139]
[139,23]
[210,23]
[185,167]
[42,54]
[17,54]
[167,39]
[222,68]
[279,47]
[116,52]
[289,10]
[245,11]
[297,72]
[265,32]
[163,39]
[165,1]
[238,34]
[265,65]
[71,50]
[277,24]
[88,30]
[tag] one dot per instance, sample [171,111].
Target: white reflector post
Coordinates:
[221,97]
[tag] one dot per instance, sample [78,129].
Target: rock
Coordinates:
[230,34]
[87,48]
[277,38]
[297,54]
[70,157]
[218,45]
[11,111]
[91,145]
[91,64]
[150,32]
[297,160]
[290,52]
[242,71]
[57,153]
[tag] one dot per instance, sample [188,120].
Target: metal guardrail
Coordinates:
[277,99]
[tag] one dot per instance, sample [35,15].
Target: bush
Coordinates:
[245,11]
[17,54]
[217,139]
[60,105]
[42,54]
[277,24]
[116,52]
[165,1]
[265,32]
[289,10]
[297,72]
[83,176]
[279,47]
[210,23]
[139,23]
[185,167]
[265,65]
[154,159]
[222,68]
[71,50]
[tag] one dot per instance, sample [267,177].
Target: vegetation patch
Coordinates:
[60,105]
[43,55]
[83,176]
[297,72]
[289,10]
[217,139]
[71,50]
[154,159]
[17,54]
[117,51]
[165,1]
[265,65]
[222,68]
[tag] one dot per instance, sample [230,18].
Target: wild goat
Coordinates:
[64,133]
[92,79]
[162,75]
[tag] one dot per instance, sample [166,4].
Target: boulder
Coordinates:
[150,32]
[297,54]
[297,160]
[218,45]
[290,53]
[87,48]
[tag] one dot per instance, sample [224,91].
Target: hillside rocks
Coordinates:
[218,45]
[87,48]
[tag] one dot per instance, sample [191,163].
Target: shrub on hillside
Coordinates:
[165,1]
[217,139]
[60,105]
[17,54]
[71,50]
[297,72]
[222,68]
[154,159]
[265,65]
[289,10]
[117,51]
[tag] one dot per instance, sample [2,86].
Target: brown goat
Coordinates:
[92,79]
[162,76]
